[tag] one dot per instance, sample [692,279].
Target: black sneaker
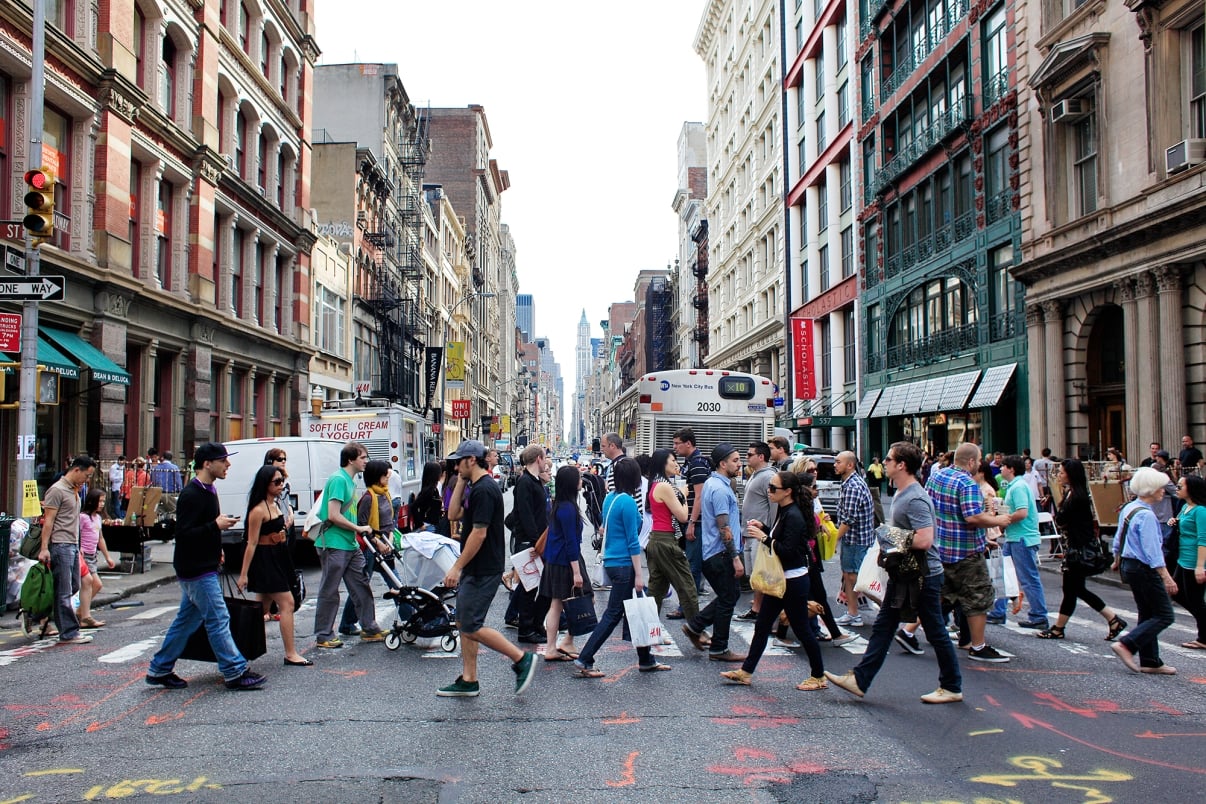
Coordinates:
[250,680]
[909,642]
[987,654]
[171,681]
[514,624]
[532,638]
[749,615]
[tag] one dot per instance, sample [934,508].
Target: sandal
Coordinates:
[1117,626]
[91,622]
[812,685]
[1054,632]
[657,667]
[558,658]
[587,672]
[568,654]
[737,676]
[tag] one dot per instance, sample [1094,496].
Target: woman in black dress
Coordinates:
[427,507]
[267,566]
[1075,521]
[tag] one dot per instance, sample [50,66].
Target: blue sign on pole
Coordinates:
[778,401]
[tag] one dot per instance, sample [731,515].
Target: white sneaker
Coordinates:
[784,643]
[855,621]
[78,640]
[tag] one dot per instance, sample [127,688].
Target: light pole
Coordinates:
[444,374]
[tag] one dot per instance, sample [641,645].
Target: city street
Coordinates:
[1063,721]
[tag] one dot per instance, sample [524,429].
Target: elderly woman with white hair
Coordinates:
[1139,551]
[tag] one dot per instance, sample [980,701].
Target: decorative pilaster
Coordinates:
[1037,379]
[252,276]
[1148,413]
[269,319]
[1130,326]
[1169,283]
[1053,358]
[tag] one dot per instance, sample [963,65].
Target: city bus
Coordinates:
[717,405]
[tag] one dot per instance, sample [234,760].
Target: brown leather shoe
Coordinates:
[698,640]
[727,656]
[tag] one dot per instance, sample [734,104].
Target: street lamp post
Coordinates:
[444,374]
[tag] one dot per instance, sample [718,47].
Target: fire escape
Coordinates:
[395,295]
[699,299]
[659,303]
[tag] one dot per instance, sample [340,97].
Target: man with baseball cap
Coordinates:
[720,519]
[477,574]
[199,526]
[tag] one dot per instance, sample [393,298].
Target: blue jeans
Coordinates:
[694,551]
[1025,564]
[200,602]
[884,630]
[65,569]
[1154,608]
[623,581]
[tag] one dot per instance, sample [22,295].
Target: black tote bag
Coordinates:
[246,627]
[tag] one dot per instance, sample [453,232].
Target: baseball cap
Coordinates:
[211,451]
[1163,454]
[721,451]
[471,448]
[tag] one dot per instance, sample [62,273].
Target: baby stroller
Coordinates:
[421,612]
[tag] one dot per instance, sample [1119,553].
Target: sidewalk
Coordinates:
[120,585]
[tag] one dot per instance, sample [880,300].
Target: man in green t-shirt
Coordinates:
[1022,543]
[341,557]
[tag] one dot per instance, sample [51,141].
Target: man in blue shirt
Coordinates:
[720,547]
[1021,544]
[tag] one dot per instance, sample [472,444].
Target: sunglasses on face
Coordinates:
[772,487]
[278,481]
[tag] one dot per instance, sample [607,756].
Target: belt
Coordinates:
[269,539]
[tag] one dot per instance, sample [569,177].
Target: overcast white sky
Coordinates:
[585,103]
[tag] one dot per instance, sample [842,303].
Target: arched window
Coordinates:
[167,89]
[241,143]
[937,320]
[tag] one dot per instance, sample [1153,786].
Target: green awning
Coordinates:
[52,359]
[102,369]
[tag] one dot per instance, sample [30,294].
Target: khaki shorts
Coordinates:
[967,583]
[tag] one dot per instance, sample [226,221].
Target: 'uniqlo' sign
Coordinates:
[460,408]
[10,332]
[801,351]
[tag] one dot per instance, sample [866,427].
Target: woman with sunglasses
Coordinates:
[1190,569]
[267,566]
[788,538]
[284,497]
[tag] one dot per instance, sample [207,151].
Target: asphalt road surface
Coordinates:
[1062,722]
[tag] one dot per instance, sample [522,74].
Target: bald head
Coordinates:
[845,463]
[967,456]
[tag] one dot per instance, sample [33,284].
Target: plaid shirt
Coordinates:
[956,496]
[857,511]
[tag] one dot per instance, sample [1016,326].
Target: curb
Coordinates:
[108,598]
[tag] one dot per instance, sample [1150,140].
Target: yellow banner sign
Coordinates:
[31,501]
[455,369]
[506,423]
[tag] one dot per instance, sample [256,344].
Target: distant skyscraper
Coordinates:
[581,375]
[525,315]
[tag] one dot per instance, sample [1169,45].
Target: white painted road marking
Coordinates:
[151,614]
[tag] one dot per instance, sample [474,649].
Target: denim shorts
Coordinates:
[853,555]
[474,594]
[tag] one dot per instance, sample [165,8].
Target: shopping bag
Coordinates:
[598,576]
[872,578]
[643,623]
[580,614]
[1004,576]
[829,538]
[246,626]
[767,576]
[528,567]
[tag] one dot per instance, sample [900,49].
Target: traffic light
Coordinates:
[39,202]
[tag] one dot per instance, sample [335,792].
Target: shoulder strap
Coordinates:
[1126,526]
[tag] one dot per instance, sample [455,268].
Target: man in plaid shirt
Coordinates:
[856,529]
[959,537]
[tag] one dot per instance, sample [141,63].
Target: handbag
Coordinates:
[644,626]
[1087,560]
[827,545]
[580,614]
[246,628]
[767,576]
[31,545]
[538,548]
[298,588]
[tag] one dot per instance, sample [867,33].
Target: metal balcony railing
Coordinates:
[945,125]
[868,108]
[1003,326]
[998,207]
[996,87]
[906,67]
[932,347]
[932,245]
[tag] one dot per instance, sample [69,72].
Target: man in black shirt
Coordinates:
[477,574]
[1190,457]
[199,526]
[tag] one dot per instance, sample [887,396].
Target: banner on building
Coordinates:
[432,358]
[506,423]
[461,408]
[454,372]
[802,358]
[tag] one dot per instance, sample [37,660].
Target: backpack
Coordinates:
[37,593]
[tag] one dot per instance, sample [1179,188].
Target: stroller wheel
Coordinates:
[393,641]
[448,643]
[408,637]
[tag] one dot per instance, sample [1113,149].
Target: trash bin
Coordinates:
[6,526]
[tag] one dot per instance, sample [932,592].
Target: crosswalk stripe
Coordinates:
[151,614]
[129,652]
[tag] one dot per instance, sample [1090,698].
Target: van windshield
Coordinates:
[825,472]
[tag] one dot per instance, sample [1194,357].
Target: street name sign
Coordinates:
[38,288]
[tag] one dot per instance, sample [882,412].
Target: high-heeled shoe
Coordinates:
[1117,626]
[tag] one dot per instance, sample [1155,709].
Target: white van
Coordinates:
[310,462]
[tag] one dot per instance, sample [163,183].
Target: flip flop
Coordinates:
[558,658]
[1193,645]
[586,672]
[303,663]
[655,668]
[567,654]
[91,622]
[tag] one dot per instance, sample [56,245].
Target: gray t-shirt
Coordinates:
[756,504]
[912,509]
